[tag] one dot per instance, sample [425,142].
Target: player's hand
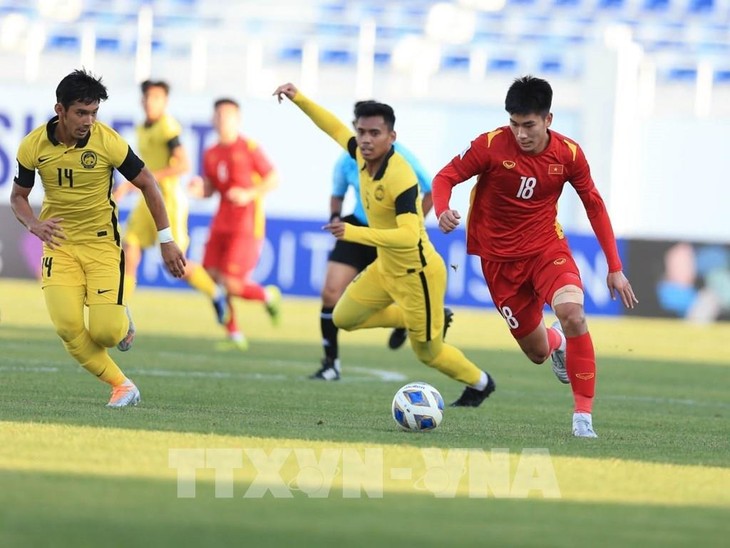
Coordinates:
[174,259]
[336,228]
[449,220]
[288,90]
[196,187]
[619,286]
[241,196]
[49,231]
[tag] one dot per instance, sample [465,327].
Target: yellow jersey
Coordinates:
[78,180]
[155,143]
[390,198]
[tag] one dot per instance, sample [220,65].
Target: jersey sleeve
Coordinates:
[424,178]
[472,161]
[580,178]
[326,121]
[339,175]
[261,163]
[25,176]
[170,128]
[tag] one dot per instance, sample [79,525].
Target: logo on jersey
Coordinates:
[509,164]
[560,261]
[88,159]
[555,169]
[379,192]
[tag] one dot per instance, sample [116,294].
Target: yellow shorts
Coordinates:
[97,266]
[420,295]
[141,229]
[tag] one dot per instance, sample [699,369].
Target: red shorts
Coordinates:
[520,289]
[233,254]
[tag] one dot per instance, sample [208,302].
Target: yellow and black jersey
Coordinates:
[155,143]
[390,198]
[78,180]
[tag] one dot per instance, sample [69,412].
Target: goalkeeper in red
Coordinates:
[521,170]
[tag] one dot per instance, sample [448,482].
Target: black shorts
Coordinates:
[357,256]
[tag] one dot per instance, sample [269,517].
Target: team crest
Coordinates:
[379,193]
[88,159]
[509,164]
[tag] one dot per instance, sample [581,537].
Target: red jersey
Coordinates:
[243,165]
[513,206]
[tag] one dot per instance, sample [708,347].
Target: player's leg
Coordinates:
[345,260]
[65,304]
[109,321]
[557,281]
[337,278]
[241,256]
[420,296]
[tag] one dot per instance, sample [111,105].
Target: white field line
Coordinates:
[362,374]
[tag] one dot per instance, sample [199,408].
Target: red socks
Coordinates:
[580,362]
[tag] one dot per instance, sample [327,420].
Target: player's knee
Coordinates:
[537,357]
[331,294]
[68,330]
[426,352]
[343,320]
[572,318]
[108,324]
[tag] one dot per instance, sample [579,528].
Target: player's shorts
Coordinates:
[99,266]
[420,295]
[141,228]
[232,253]
[356,255]
[520,289]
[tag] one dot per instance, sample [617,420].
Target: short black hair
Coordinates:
[366,109]
[81,86]
[529,95]
[147,84]
[226,101]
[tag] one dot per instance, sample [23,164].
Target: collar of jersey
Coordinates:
[50,128]
[381,169]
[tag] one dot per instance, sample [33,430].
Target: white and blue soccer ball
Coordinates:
[418,406]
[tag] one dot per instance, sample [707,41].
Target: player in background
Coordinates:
[521,170]
[159,145]
[83,261]
[347,259]
[239,171]
[406,284]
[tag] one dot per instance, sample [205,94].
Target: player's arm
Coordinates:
[201,187]
[336,207]
[323,119]
[171,253]
[471,162]
[597,212]
[405,236]
[49,231]
[133,169]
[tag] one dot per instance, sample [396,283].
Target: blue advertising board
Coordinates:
[294,257]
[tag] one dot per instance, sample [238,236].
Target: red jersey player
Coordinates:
[521,170]
[239,171]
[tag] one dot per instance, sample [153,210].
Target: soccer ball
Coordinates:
[418,406]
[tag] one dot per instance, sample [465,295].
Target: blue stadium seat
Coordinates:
[455,62]
[501,64]
[682,74]
[66,42]
[337,57]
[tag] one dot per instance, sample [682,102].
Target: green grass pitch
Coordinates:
[73,473]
